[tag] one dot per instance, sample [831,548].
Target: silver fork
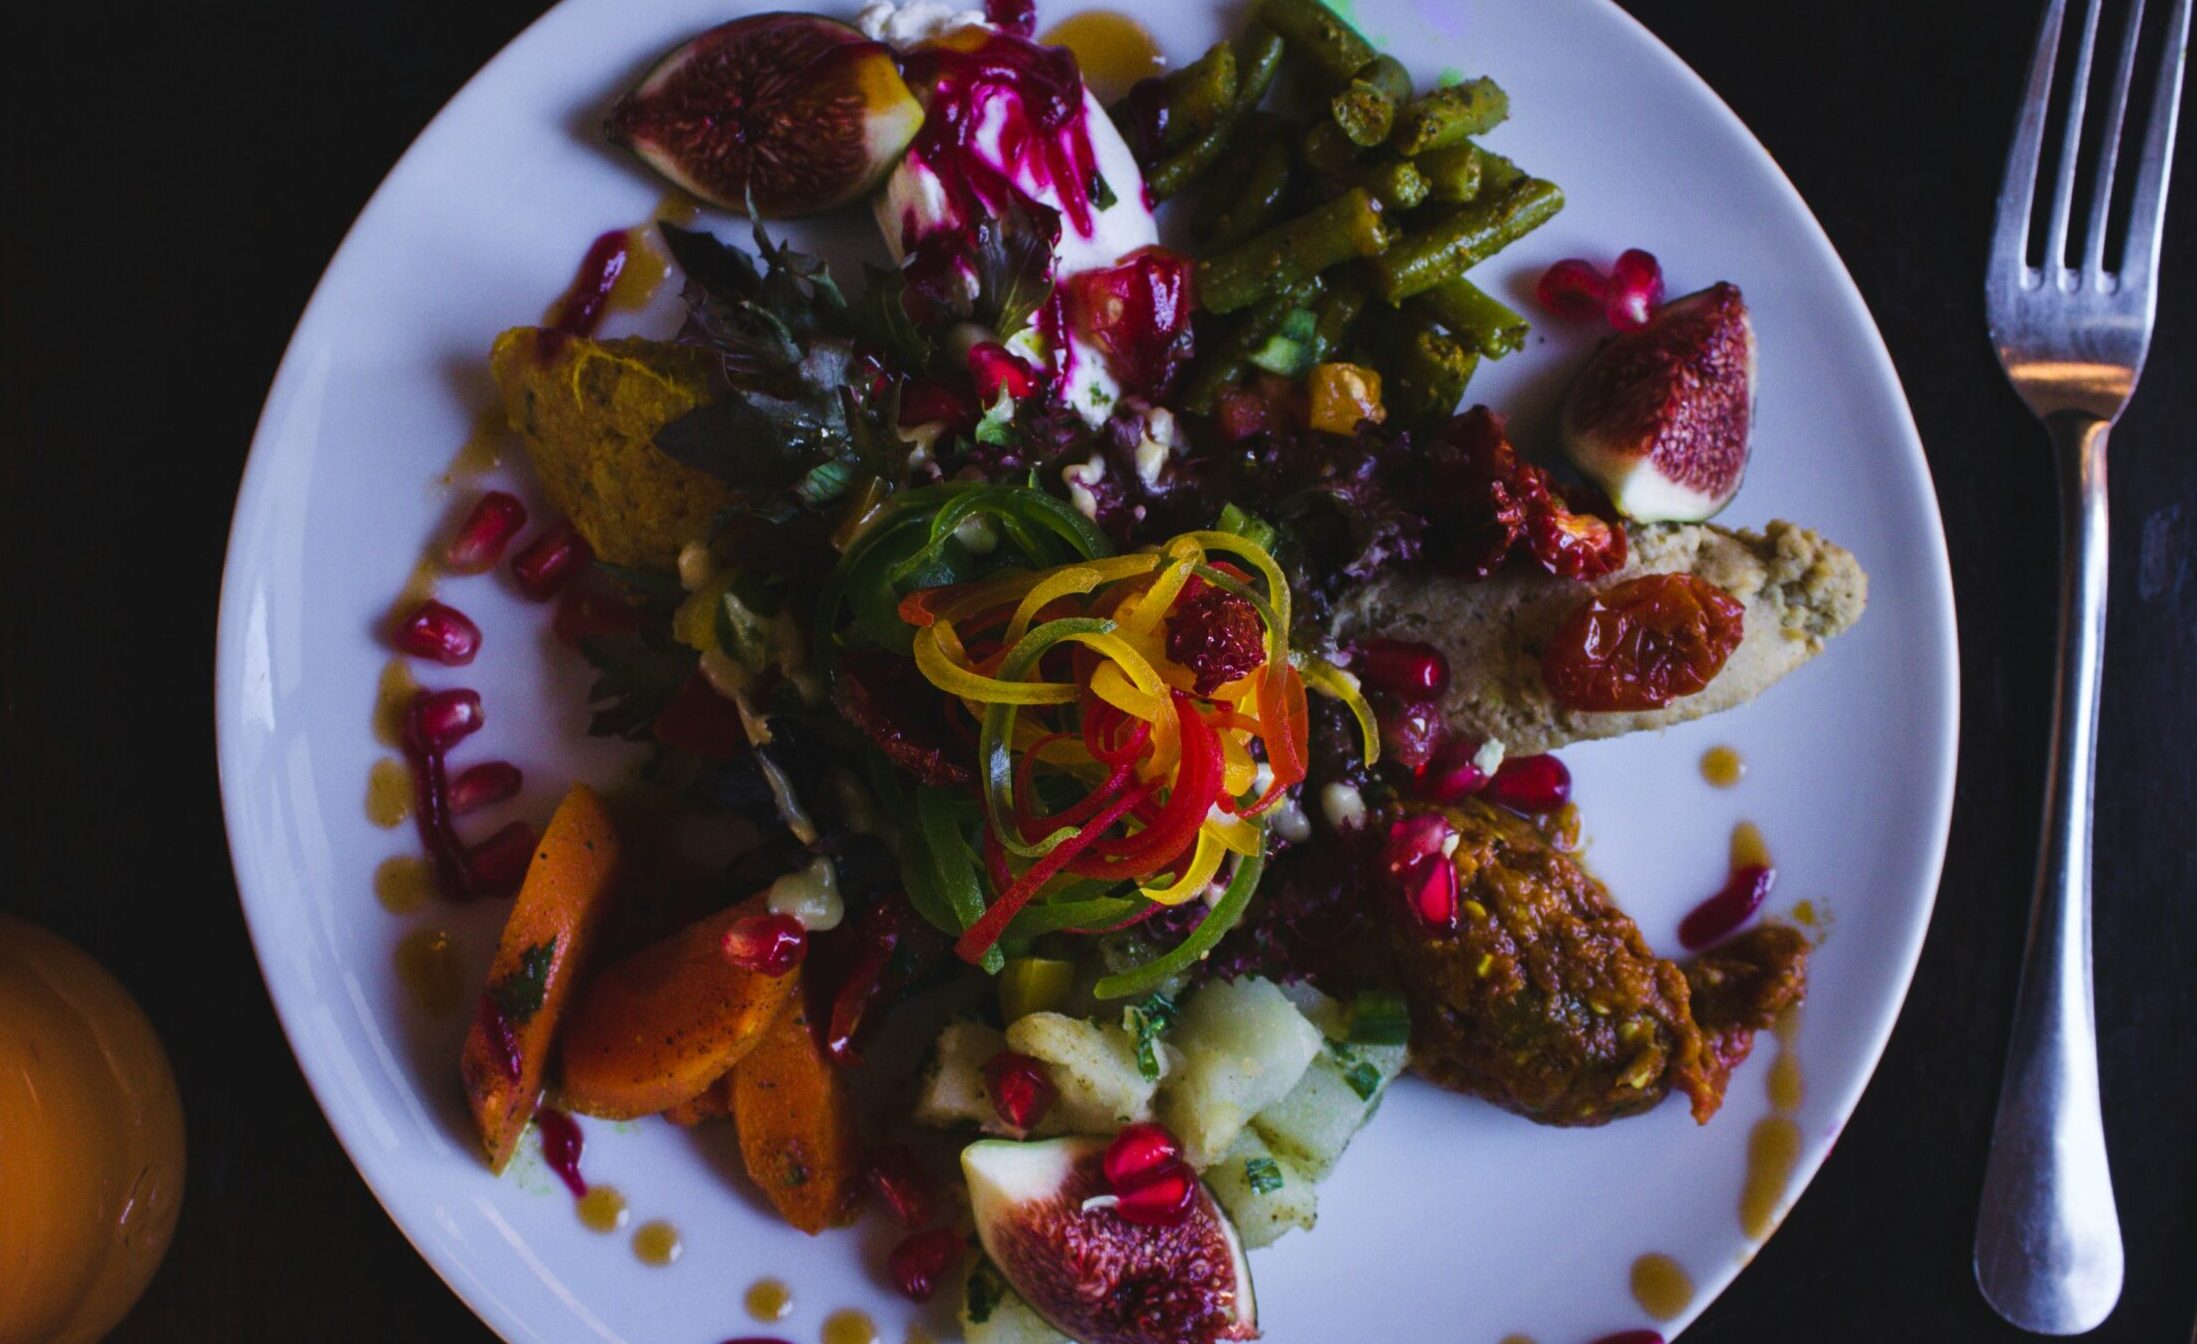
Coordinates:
[2071,335]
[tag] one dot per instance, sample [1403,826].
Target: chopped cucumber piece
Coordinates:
[1263,1193]
[1338,1093]
[1095,1069]
[1243,1046]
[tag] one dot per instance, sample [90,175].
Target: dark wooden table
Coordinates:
[177,174]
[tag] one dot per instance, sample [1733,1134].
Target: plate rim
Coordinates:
[254,483]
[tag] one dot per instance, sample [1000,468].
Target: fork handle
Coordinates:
[2048,1239]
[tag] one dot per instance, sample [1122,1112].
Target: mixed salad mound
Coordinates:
[1128,661]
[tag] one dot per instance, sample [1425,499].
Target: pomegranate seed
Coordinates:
[483,785]
[562,1143]
[1531,784]
[1410,731]
[767,944]
[1403,667]
[1022,1092]
[993,366]
[1572,287]
[439,720]
[1139,1151]
[481,538]
[921,1263]
[549,561]
[1418,864]
[498,864]
[1452,773]
[900,1181]
[1714,919]
[923,402]
[441,633]
[1635,291]
[1161,1198]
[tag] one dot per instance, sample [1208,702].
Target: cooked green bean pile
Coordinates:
[1342,231]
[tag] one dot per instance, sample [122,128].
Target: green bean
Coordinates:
[1199,95]
[1256,63]
[1346,297]
[1218,192]
[1448,115]
[1465,237]
[1326,235]
[1426,374]
[1224,362]
[1326,149]
[1396,183]
[1365,109]
[1452,173]
[1258,201]
[1363,113]
[1496,172]
[1320,35]
[1474,316]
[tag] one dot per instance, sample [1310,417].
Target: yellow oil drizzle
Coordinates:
[1748,848]
[482,451]
[1723,767]
[850,1327]
[388,792]
[391,699]
[403,883]
[1773,1150]
[1804,914]
[427,964]
[657,1243]
[769,1300]
[603,1209]
[1113,50]
[1517,1339]
[1784,1083]
[919,1333]
[1661,1286]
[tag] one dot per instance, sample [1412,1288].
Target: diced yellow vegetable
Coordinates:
[1342,395]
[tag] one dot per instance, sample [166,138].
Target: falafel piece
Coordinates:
[1544,999]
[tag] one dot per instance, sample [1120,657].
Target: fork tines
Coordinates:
[2101,128]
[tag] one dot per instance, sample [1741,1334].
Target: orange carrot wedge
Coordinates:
[546,942]
[657,1028]
[797,1124]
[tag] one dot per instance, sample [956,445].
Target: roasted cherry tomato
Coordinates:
[1642,644]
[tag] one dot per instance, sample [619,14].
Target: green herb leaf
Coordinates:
[1379,1017]
[881,318]
[986,1290]
[1102,195]
[519,995]
[1364,1079]
[1147,1022]
[1264,1174]
[1014,269]
[997,428]
[640,673]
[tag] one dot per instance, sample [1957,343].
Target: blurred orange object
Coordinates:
[91,1143]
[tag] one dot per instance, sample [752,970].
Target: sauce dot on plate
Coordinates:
[1661,1286]
[850,1327]
[1113,50]
[656,1243]
[427,965]
[1722,767]
[603,1209]
[769,1300]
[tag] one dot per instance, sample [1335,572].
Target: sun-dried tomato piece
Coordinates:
[1642,644]
[1573,540]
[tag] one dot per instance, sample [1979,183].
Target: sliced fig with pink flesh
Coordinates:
[1094,1275]
[797,113]
[1660,416]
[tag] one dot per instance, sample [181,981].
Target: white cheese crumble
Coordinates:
[916,21]
[1489,758]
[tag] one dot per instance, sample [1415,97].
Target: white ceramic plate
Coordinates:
[1447,1213]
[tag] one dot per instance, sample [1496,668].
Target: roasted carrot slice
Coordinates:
[658,1027]
[797,1124]
[546,942]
